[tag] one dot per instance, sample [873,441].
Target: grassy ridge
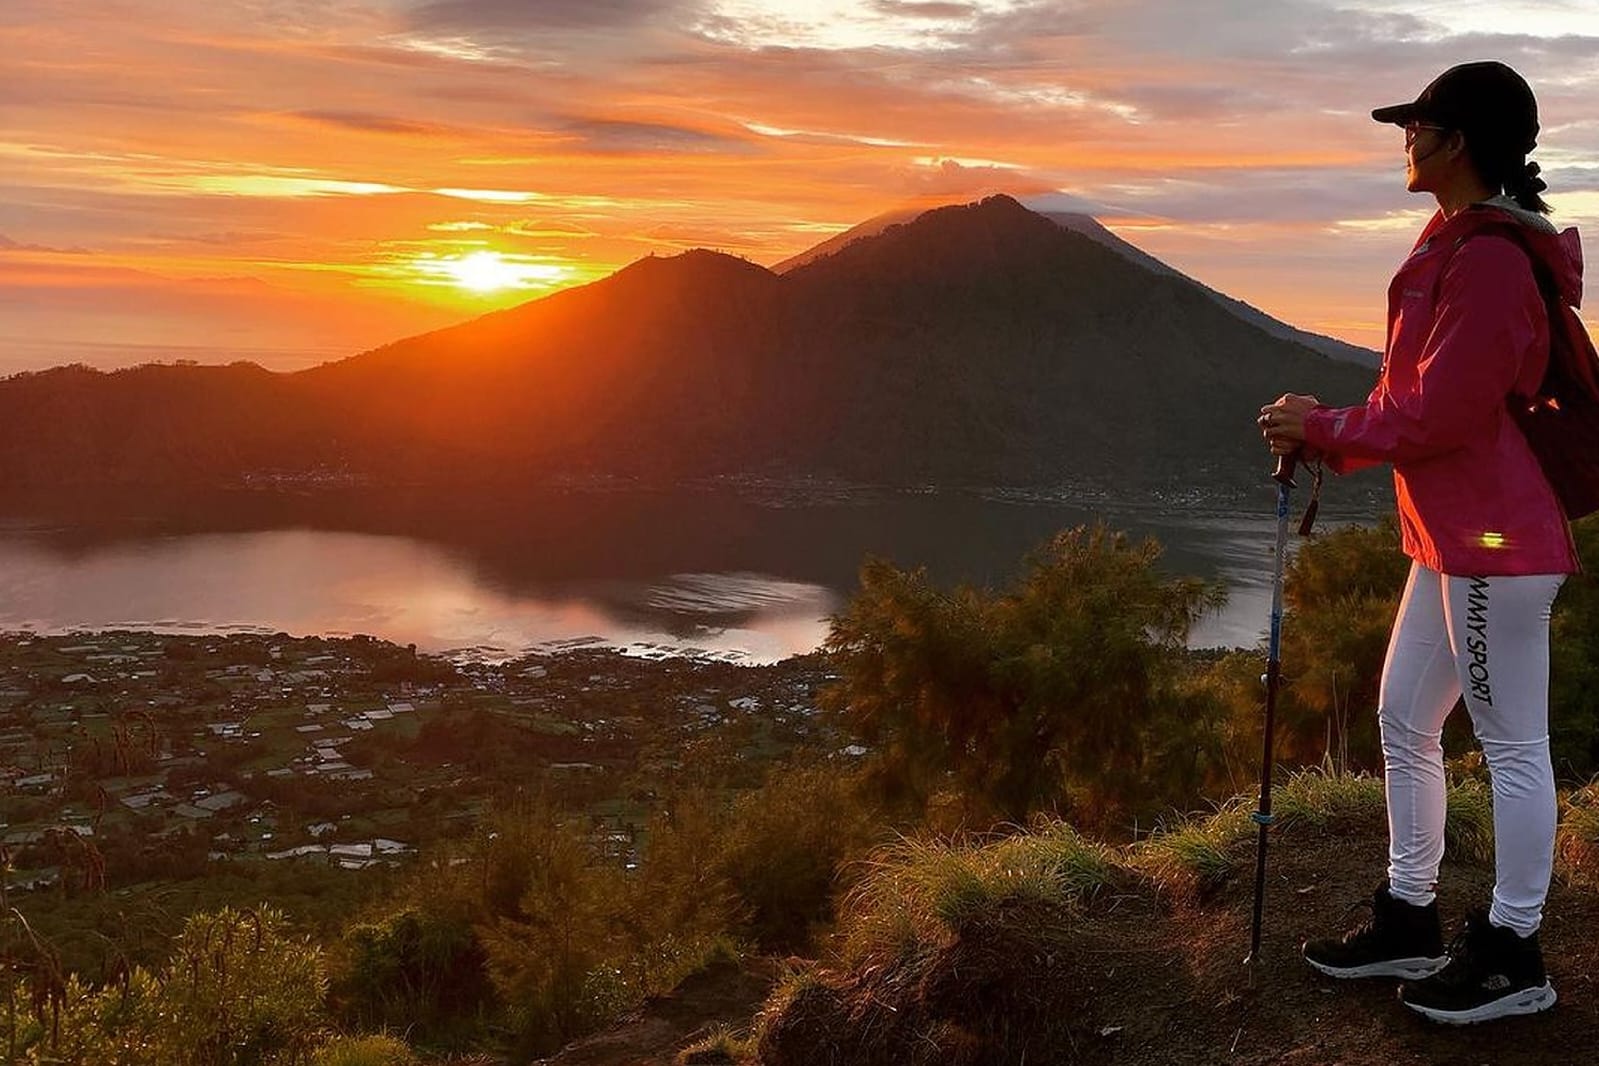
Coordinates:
[1002,919]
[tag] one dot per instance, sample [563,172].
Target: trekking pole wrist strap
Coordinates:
[1314,505]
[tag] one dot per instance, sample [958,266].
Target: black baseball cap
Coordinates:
[1488,102]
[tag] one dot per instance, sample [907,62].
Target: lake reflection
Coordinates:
[396,588]
[716,575]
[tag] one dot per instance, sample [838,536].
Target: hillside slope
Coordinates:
[1145,967]
[1331,347]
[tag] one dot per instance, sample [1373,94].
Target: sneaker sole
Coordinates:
[1526,1001]
[1407,969]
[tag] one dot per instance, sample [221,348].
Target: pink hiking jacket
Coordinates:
[1467,328]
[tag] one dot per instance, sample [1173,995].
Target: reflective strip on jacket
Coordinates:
[1467,328]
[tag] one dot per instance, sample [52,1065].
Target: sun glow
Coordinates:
[490,272]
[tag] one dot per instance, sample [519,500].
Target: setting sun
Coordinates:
[485,272]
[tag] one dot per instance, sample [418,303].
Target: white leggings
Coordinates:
[1486,639]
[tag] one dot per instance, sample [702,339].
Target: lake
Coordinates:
[741,575]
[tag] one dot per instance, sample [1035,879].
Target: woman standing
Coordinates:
[1490,546]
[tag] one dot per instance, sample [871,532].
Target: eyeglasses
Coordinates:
[1413,129]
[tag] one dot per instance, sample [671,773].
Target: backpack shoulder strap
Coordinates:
[1513,233]
[1570,346]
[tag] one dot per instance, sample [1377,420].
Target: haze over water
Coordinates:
[725,577]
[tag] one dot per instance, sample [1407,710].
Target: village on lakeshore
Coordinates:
[128,755]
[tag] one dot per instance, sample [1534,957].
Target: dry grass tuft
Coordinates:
[1469,824]
[1321,797]
[918,893]
[1193,857]
[1577,840]
[991,992]
[371,1050]
[722,1044]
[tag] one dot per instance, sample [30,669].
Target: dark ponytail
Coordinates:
[1523,184]
[1507,168]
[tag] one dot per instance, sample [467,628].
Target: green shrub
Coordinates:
[554,955]
[419,964]
[238,990]
[1340,592]
[784,843]
[1066,679]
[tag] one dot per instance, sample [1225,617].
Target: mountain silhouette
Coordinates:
[870,228]
[975,344]
[1089,226]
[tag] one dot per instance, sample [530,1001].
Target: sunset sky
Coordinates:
[291,181]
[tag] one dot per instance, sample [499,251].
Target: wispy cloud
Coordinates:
[9,245]
[542,14]
[612,135]
[366,122]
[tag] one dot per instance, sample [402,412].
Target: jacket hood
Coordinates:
[1531,219]
[1560,253]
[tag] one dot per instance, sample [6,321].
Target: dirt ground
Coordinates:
[653,1034]
[1294,1015]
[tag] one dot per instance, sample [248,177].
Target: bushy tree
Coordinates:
[241,988]
[518,925]
[527,925]
[1061,680]
[681,898]
[554,906]
[1340,592]
[783,846]
[1229,686]
[529,928]
[417,963]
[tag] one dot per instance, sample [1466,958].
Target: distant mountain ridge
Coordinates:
[870,228]
[1331,347]
[975,344]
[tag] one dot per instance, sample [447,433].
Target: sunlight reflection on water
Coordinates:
[395,588]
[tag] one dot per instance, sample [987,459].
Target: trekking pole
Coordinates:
[1284,476]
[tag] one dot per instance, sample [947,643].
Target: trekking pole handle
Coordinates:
[1284,474]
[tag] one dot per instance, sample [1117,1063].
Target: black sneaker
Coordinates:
[1492,973]
[1399,940]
